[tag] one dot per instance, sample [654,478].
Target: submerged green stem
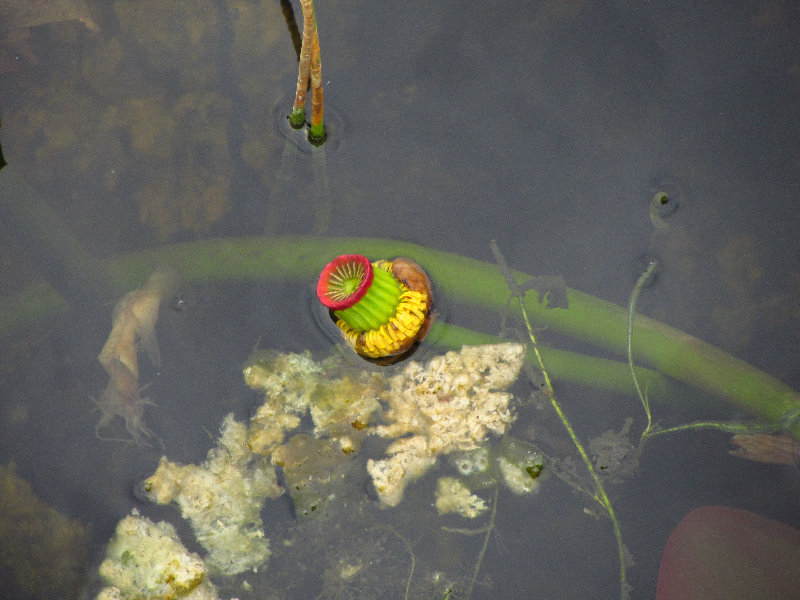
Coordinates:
[482,553]
[582,369]
[410,553]
[646,275]
[467,281]
[600,493]
[474,282]
[725,426]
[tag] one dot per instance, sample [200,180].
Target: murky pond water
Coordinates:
[549,127]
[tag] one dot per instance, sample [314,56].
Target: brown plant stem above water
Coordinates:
[310,66]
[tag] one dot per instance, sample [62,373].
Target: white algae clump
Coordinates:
[452,496]
[287,381]
[287,377]
[342,404]
[292,384]
[448,406]
[520,465]
[222,499]
[146,561]
[516,478]
[342,407]
[451,404]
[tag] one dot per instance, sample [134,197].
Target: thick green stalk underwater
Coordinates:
[666,350]
[469,281]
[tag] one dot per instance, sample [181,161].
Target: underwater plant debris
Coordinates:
[771,449]
[133,326]
[43,553]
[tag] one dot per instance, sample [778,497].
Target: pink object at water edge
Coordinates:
[721,553]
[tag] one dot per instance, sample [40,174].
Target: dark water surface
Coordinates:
[547,126]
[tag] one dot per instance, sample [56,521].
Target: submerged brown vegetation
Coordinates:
[133,328]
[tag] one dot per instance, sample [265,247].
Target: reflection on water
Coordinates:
[543,127]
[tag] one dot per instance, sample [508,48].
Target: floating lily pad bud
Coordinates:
[383,308]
